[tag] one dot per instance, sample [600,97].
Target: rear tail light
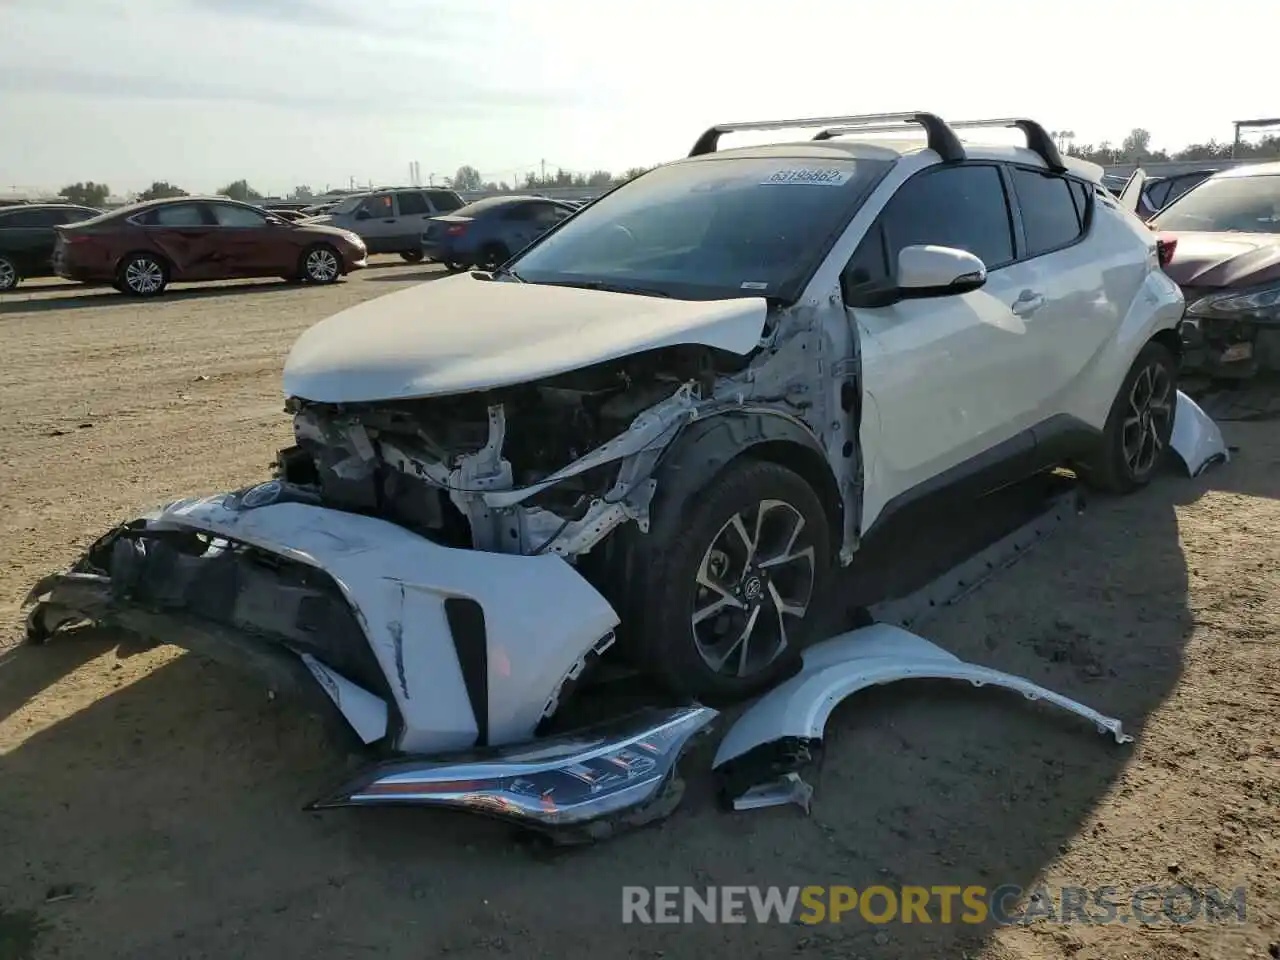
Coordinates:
[1165,247]
[456,230]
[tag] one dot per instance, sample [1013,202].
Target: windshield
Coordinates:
[348,204]
[1226,204]
[707,229]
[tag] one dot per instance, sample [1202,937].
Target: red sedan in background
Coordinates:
[142,248]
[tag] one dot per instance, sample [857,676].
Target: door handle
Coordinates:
[1028,302]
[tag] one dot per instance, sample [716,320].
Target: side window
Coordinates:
[1080,193]
[379,205]
[870,262]
[179,215]
[1049,216]
[32,218]
[444,201]
[229,216]
[521,211]
[1158,194]
[412,204]
[963,207]
[548,214]
[78,214]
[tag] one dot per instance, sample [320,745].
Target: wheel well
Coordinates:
[1171,340]
[812,468]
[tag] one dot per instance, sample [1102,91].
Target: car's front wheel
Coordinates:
[731,583]
[142,275]
[320,264]
[1136,436]
[8,274]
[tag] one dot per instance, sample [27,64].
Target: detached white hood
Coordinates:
[460,334]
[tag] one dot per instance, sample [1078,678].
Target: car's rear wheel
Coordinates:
[493,256]
[143,275]
[1139,426]
[412,256]
[730,585]
[320,264]
[8,274]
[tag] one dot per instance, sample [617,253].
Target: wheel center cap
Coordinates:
[752,588]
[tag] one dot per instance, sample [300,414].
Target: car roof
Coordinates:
[1250,170]
[46,206]
[893,150]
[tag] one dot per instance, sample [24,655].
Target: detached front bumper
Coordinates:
[424,648]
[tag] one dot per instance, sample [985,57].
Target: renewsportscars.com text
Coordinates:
[1003,905]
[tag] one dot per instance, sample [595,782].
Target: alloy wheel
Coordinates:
[321,265]
[1148,421]
[8,275]
[755,581]
[143,276]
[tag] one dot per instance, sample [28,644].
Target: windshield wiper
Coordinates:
[610,287]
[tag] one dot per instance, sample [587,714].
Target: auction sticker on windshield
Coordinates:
[814,176]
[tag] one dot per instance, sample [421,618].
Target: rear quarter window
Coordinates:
[1051,216]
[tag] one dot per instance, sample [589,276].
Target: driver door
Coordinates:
[378,223]
[948,382]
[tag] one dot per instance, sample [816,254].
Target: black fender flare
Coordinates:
[697,455]
[709,444]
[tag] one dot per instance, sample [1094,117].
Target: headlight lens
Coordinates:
[553,782]
[1261,304]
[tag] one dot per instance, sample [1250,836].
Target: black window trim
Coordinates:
[1011,192]
[1016,243]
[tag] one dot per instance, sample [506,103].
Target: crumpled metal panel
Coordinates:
[1196,438]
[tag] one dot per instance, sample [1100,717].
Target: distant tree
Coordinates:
[632,172]
[240,190]
[467,178]
[161,189]
[504,186]
[1137,145]
[599,178]
[87,194]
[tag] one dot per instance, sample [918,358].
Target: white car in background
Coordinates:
[671,417]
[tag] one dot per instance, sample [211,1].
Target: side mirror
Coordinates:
[929,271]
[363,214]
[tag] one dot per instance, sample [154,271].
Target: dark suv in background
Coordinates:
[27,238]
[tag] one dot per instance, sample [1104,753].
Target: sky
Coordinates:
[317,92]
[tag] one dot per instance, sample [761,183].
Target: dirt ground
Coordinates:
[150,803]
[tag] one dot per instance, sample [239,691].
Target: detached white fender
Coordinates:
[1196,438]
[837,668]
[540,617]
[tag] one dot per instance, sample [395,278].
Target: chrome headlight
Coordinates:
[1261,304]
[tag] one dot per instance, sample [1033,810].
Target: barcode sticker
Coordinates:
[817,177]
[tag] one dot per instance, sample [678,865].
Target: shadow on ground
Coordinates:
[174,803]
[99,297]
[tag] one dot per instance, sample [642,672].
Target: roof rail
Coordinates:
[942,139]
[1038,139]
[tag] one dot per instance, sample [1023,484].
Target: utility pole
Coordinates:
[431,179]
[544,172]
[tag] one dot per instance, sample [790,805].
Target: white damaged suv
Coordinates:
[670,418]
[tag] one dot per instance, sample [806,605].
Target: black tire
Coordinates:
[697,543]
[412,256]
[1139,426]
[493,256]
[9,276]
[453,266]
[142,275]
[320,264]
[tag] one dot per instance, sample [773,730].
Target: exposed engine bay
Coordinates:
[548,466]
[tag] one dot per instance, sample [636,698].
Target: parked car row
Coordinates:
[1158,192]
[489,232]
